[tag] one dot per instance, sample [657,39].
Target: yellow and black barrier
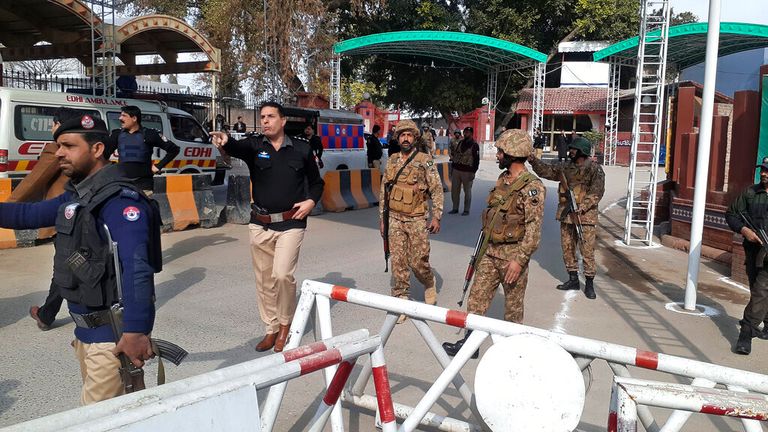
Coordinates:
[185,200]
[443,168]
[351,189]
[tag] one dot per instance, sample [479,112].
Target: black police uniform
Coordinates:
[135,153]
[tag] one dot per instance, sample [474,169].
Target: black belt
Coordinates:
[91,320]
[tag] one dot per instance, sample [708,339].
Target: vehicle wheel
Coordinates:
[342,167]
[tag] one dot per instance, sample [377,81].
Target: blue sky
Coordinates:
[750,11]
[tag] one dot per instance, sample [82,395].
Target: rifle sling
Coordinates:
[400,171]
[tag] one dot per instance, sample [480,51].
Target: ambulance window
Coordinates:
[187,129]
[33,123]
[151,121]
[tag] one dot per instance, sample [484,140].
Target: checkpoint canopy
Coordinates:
[685,47]
[483,53]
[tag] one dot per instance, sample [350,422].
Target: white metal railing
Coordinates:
[584,351]
[225,399]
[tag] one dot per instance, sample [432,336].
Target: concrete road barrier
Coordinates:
[351,189]
[185,200]
[445,175]
[239,199]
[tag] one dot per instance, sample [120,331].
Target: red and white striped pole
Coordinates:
[331,396]
[383,391]
[573,344]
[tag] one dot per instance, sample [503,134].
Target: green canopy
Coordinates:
[688,43]
[480,52]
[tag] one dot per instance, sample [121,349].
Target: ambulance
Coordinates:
[26,117]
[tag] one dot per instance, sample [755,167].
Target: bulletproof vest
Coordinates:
[132,148]
[408,195]
[83,266]
[504,219]
[462,157]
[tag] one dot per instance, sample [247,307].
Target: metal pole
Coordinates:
[702,159]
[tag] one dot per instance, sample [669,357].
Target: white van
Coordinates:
[26,117]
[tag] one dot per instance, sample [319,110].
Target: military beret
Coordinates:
[82,124]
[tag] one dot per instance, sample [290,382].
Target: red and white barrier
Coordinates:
[583,349]
[628,393]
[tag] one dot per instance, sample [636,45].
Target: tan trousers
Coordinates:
[275,255]
[100,370]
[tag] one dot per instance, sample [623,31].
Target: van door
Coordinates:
[197,153]
[31,131]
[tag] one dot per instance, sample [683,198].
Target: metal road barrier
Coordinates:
[583,350]
[628,393]
[221,400]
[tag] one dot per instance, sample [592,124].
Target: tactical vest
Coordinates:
[83,266]
[462,157]
[132,148]
[504,219]
[408,195]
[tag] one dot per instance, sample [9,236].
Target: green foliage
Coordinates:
[594,137]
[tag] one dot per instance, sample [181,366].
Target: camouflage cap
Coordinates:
[406,125]
[581,144]
[515,143]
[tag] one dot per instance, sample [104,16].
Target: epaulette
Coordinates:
[126,192]
[300,138]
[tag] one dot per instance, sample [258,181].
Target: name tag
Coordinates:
[263,155]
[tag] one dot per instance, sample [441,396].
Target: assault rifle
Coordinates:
[571,208]
[761,234]
[472,263]
[385,220]
[133,377]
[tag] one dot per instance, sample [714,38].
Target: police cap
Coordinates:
[82,124]
[763,164]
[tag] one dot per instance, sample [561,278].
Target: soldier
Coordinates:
[587,182]
[752,206]
[512,230]
[412,179]
[427,140]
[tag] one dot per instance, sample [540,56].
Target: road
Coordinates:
[207,303]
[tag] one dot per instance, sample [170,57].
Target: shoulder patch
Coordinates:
[430,163]
[533,192]
[131,213]
[129,193]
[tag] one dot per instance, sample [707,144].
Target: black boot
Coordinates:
[744,344]
[572,283]
[589,289]
[452,348]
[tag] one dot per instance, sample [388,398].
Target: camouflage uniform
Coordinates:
[588,185]
[515,236]
[408,240]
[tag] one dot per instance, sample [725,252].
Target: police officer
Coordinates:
[134,144]
[586,180]
[751,208]
[414,180]
[97,195]
[512,230]
[286,185]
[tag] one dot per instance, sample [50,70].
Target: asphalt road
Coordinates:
[206,303]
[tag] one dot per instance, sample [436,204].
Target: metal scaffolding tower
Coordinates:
[537,119]
[335,81]
[493,80]
[648,119]
[612,114]
[104,48]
